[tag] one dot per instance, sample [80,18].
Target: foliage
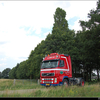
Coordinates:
[91,39]
[5,73]
[83,47]
[0,74]
[12,73]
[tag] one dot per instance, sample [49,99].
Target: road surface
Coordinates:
[21,91]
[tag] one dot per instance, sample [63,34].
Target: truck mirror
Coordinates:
[40,63]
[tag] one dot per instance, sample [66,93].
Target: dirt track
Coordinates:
[21,91]
[26,90]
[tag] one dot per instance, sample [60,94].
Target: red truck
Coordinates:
[56,69]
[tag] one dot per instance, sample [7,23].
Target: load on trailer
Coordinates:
[56,69]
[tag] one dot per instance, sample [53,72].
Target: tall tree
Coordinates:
[0,75]
[92,39]
[5,73]
[12,73]
[59,19]
[22,70]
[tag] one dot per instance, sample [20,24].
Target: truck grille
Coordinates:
[48,79]
[48,82]
[47,74]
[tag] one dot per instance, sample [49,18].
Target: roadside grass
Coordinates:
[94,82]
[61,91]
[19,84]
[89,90]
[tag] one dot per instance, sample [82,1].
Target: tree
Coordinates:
[0,75]
[60,40]
[61,35]
[12,73]
[22,70]
[30,68]
[59,19]
[5,73]
[92,39]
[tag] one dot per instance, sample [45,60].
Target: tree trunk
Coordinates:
[90,73]
[87,74]
[98,74]
[30,76]
[75,71]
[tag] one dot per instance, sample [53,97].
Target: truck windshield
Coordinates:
[50,64]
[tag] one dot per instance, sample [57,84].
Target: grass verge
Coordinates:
[92,90]
[19,84]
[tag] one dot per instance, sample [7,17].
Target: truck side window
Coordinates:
[61,63]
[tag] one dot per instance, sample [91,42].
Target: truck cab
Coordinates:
[56,69]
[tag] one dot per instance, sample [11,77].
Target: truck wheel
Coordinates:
[65,82]
[82,82]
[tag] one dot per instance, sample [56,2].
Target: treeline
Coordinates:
[83,47]
[5,73]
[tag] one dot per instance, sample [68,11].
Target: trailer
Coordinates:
[56,70]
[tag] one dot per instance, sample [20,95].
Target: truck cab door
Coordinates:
[61,71]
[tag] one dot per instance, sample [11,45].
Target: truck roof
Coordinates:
[53,56]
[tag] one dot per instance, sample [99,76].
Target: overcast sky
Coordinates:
[23,24]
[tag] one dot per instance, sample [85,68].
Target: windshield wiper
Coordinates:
[52,67]
[47,67]
[44,68]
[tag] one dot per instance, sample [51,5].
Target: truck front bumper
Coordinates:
[60,83]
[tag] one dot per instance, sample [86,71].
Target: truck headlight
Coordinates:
[42,78]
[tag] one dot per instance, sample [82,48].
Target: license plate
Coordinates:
[47,84]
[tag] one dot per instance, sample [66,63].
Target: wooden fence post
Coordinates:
[38,81]
[14,81]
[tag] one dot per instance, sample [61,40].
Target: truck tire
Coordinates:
[82,82]
[65,82]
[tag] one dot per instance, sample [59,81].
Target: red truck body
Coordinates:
[53,75]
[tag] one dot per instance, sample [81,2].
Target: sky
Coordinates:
[24,24]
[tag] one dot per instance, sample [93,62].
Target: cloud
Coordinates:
[45,34]
[76,26]
[31,14]
[71,21]
[2,42]
[23,24]
[20,27]
[80,10]
[20,44]
[2,66]
[9,62]
[3,59]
